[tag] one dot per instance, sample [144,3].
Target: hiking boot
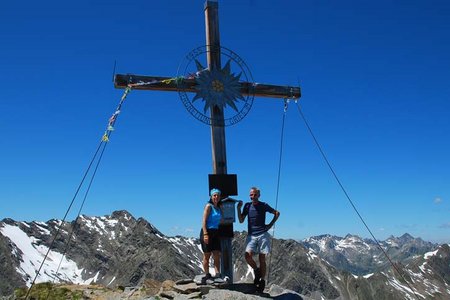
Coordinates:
[218,278]
[257,276]
[262,285]
[205,278]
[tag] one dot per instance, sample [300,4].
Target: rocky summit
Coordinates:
[120,257]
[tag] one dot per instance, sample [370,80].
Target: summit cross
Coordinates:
[213,53]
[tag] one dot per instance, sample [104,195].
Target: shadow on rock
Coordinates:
[275,292]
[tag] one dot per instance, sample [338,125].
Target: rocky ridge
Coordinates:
[121,251]
[363,256]
[154,290]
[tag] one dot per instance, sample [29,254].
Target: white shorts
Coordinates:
[259,244]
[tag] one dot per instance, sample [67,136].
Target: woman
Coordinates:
[209,234]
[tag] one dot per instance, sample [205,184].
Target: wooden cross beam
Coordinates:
[121,81]
[158,83]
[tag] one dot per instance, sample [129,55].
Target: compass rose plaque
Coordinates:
[216,88]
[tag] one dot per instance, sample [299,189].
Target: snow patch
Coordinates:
[405,289]
[95,277]
[43,228]
[347,243]
[33,255]
[430,254]
[311,255]
[176,242]
[114,278]
[392,243]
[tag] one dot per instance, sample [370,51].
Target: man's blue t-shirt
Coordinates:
[257,216]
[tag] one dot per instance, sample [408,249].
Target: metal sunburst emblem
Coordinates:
[220,88]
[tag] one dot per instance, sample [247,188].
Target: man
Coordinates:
[258,239]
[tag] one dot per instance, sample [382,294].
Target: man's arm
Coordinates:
[241,217]
[276,215]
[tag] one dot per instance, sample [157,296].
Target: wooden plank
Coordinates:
[159,83]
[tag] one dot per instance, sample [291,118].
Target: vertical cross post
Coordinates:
[218,146]
[217,115]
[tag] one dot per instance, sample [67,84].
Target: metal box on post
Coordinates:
[228,210]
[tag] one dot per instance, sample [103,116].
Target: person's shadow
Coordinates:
[249,288]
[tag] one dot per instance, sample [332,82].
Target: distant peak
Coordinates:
[8,221]
[119,214]
[320,237]
[349,235]
[407,236]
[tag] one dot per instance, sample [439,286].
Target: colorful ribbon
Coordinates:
[112,120]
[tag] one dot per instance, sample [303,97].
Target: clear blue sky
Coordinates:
[375,81]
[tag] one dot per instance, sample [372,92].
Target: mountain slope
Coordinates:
[119,250]
[110,250]
[363,256]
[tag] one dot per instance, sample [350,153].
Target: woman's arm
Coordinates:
[206,212]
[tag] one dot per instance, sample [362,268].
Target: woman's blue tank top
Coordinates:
[214,217]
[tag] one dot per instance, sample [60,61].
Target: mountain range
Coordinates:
[120,250]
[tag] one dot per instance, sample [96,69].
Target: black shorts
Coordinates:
[214,241]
